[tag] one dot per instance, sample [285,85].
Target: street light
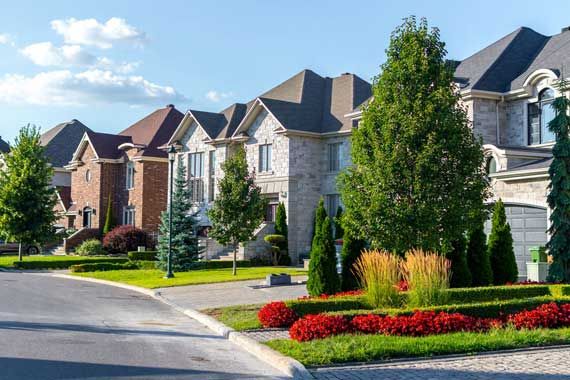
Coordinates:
[171,158]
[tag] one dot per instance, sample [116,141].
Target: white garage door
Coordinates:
[528,227]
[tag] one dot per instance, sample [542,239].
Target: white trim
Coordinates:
[183,127]
[254,109]
[538,75]
[516,175]
[149,158]
[514,201]
[127,146]
[81,147]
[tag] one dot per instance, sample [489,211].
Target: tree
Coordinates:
[559,190]
[338,230]
[109,219]
[478,256]
[281,229]
[320,216]
[501,252]
[417,174]
[351,250]
[27,197]
[460,274]
[239,208]
[185,245]
[323,276]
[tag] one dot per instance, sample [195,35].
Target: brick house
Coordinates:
[296,137]
[127,170]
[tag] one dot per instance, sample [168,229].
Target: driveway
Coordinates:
[54,328]
[200,297]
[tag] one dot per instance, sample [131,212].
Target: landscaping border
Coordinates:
[285,364]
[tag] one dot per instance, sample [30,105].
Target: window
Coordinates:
[195,176]
[271,210]
[539,115]
[212,176]
[491,165]
[129,215]
[88,176]
[334,157]
[332,201]
[130,181]
[265,158]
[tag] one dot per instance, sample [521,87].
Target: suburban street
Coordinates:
[54,328]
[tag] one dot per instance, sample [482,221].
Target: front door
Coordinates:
[87,212]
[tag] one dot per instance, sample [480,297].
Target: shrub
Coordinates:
[91,247]
[377,271]
[493,293]
[145,255]
[125,238]
[109,219]
[318,327]
[63,264]
[427,275]
[276,314]
[548,315]
[145,264]
[460,274]
[351,250]
[478,257]
[323,276]
[101,267]
[319,305]
[276,250]
[500,248]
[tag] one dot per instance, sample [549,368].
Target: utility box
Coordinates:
[537,272]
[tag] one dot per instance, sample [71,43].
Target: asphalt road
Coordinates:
[53,328]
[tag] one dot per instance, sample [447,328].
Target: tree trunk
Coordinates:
[234,266]
[20,252]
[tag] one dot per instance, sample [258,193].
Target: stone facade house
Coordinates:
[126,170]
[296,138]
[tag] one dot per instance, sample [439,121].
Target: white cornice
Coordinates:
[517,175]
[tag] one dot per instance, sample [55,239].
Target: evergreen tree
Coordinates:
[478,257]
[460,274]
[323,276]
[559,190]
[27,197]
[338,230]
[351,250]
[281,229]
[501,250]
[418,169]
[239,208]
[185,246]
[320,215]
[109,219]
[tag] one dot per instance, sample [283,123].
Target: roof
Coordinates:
[106,145]
[61,141]
[154,130]
[506,64]
[543,163]
[4,146]
[64,193]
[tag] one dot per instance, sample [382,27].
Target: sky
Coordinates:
[110,63]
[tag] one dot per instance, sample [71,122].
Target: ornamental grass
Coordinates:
[427,275]
[377,272]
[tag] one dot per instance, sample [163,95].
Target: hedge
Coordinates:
[144,264]
[145,255]
[64,264]
[101,267]
[221,264]
[315,306]
[496,293]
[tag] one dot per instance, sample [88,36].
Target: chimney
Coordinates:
[170,106]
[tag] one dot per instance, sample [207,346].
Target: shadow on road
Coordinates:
[34,326]
[21,369]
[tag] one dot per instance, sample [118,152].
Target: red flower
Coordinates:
[276,314]
[548,316]
[318,326]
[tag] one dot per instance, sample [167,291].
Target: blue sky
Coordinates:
[109,63]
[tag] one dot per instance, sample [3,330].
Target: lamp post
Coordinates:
[171,158]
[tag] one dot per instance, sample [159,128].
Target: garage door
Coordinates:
[528,227]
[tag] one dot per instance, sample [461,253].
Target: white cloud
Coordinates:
[46,54]
[63,87]
[216,96]
[91,32]
[6,39]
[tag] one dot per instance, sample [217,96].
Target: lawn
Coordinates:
[363,348]
[153,278]
[7,261]
[240,318]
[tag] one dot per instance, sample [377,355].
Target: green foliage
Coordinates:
[239,208]
[142,256]
[185,246]
[102,267]
[501,252]
[338,230]
[495,293]
[323,277]
[318,305]
[320,215]
[27,197]
[281,222]
[478,258]
[276,242]
[64,264]
[460,274]
[91,247]
[109,219]
[351,250]
[559,189]
[417,176]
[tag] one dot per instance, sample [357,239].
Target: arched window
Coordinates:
[539,115]
[491,165]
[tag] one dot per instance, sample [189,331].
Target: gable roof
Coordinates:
[61,141]
[4,146]
[106,145]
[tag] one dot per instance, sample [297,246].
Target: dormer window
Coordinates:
[539,115]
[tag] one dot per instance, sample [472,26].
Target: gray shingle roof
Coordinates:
[105,144]
[61,141]
[4,146]
[543,163]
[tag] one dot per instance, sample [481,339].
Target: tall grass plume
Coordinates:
[427,275]
[377,272]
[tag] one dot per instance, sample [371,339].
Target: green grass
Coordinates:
[7,261]
[364,348]
[153,278]
[242,317]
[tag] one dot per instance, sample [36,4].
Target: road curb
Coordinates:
[285,364]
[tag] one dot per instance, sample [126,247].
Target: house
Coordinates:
[4,146]
[126,171]
[296,137]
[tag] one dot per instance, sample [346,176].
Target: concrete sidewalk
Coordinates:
[207,296]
